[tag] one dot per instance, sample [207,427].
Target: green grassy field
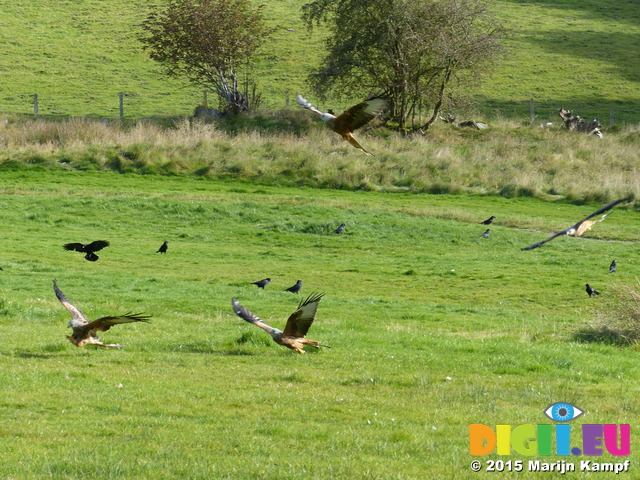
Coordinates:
[77,56]
[413,296]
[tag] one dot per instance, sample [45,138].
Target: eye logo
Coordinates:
[562,412]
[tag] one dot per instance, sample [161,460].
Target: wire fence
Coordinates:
[128,105]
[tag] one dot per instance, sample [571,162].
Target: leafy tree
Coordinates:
[420,52]
[208,42]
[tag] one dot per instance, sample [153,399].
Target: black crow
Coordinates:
[591,291]
[613,267]
[163,247]
[262,283]
[295,288]
[488,220]
[87,248]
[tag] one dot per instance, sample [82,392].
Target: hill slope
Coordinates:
[78,56]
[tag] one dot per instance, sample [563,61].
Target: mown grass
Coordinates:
[293,149]
[576,54]
[413,296]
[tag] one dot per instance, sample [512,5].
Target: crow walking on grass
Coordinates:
[339,230]
[486,233]
[262,283]
[591,291]
[488,221]
[613,267]
[163,247]
[295,288]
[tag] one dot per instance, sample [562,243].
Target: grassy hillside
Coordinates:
[431,327]
[79,55]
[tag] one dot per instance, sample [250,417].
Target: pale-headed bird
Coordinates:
[262,283]
[582,226]
[297,326]
[591,291]
[349,120]
[486,233]
[613,267]
[84,331]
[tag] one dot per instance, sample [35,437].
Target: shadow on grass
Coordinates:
[605,335]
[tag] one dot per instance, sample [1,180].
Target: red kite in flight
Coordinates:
[85,332]
[582,226]
[297,327]
[349,120]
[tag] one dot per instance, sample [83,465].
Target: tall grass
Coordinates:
[617,321]
[509,159]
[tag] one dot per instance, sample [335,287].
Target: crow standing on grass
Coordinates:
[486,233]
[339,230]
[88,248]
[163,247]
[613,267]
[262,283]
[488,221]
[295,288]
[591,291]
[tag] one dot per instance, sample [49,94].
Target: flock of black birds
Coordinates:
[85,332]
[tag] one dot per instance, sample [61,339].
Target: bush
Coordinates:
[618,320]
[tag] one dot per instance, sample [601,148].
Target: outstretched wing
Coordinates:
[105,323]
[76,247]
[575,227]
[97,245]
[359,115]
[247,315]
[300,321]
[305,104]
[78,318]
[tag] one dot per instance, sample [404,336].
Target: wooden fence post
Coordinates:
[531,110]
[121,95]
[35,105]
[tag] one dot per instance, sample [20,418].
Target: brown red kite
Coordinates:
[297,327]
[582,226]
[349,120]
[85,332]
